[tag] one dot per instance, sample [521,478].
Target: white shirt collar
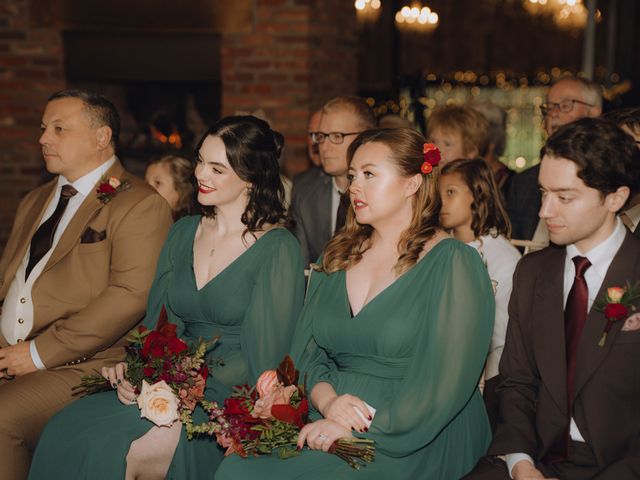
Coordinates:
[84,185]
[601,255]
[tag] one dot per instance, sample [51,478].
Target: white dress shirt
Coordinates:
[16,319]
[501,259]
[600,258]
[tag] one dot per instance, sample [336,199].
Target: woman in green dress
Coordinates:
[398,318]
[233,271]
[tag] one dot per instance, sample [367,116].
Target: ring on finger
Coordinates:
[322,436]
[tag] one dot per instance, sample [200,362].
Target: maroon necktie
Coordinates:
[575,316]
[43,238]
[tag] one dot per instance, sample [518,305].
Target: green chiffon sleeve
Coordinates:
[176,239]
[275,305]
[453,336]
[311,360]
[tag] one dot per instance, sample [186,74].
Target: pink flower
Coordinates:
[114,182]
[267,383]
[278,396]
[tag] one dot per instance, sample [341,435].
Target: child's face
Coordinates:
[456,201]
[159,177]
[450,144]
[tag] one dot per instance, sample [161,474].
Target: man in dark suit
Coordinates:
[569,396]
[75,273]
[568,99]
[317,196]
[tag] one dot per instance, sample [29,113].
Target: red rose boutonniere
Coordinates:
[109,187]
[431,158]
[616,304]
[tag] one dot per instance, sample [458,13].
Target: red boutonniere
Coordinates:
[616,304]
[431,158]
[109,187]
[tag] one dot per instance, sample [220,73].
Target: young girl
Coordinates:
[472,210]
[171,177]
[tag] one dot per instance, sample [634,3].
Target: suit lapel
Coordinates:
[550,336]
[78,223]
[590,354]
[32,221]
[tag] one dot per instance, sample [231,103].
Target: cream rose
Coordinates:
[615,294]
[158,403]
[114,182]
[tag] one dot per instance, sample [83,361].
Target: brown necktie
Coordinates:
[343,206]
[575,316]
[43,238]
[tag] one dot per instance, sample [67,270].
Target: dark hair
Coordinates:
[625,117]
[487,211]
[607,157]
[100,110]
[253,150]
[348,245]
[181,170]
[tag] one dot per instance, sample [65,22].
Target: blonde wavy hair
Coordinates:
[346,247]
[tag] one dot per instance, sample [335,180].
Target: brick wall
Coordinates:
[31,68]
[298,55]
[294,56]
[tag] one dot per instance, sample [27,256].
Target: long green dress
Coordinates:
[415,352]
[253,304]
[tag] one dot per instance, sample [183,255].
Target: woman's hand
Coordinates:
[342,409]
[321,434]
[115,375]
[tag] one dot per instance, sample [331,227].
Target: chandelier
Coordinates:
[368,11]
[417,18]
[567,14]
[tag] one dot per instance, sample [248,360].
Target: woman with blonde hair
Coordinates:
[172,177]
[395,330]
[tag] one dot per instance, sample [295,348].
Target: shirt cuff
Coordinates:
[514,458]
[37,361]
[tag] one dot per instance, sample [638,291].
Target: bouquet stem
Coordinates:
[357,452]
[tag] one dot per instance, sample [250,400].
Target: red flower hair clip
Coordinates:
[431,158]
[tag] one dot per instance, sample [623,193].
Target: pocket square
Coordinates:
[92,236]
[632,323]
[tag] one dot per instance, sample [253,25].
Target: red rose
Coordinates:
[168,330]
[176,346]
[154,345]
[288,414]
[431,154]
[615,311]
[235,406]
[106,188]
[148,371]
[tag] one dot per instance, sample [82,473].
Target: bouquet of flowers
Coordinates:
[258,420]
[168,374]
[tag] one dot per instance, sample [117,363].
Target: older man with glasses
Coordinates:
[319,205]
[568,99]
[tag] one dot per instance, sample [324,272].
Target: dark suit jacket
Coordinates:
[523,203]
[533,394]
[311,211]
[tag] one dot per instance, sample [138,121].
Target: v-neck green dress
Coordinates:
[253,304]
[415,352]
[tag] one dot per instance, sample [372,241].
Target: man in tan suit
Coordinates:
[75,273]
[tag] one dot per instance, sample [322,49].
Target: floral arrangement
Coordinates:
[616,304]
[109,187]
[168,374]
[432,158]
[268,417]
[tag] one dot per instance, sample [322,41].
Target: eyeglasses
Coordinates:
[565,106]
[334,137]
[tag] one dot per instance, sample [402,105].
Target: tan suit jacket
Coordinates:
[90,294]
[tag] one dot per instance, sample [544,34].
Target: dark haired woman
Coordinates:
[233,271]
[398,319]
